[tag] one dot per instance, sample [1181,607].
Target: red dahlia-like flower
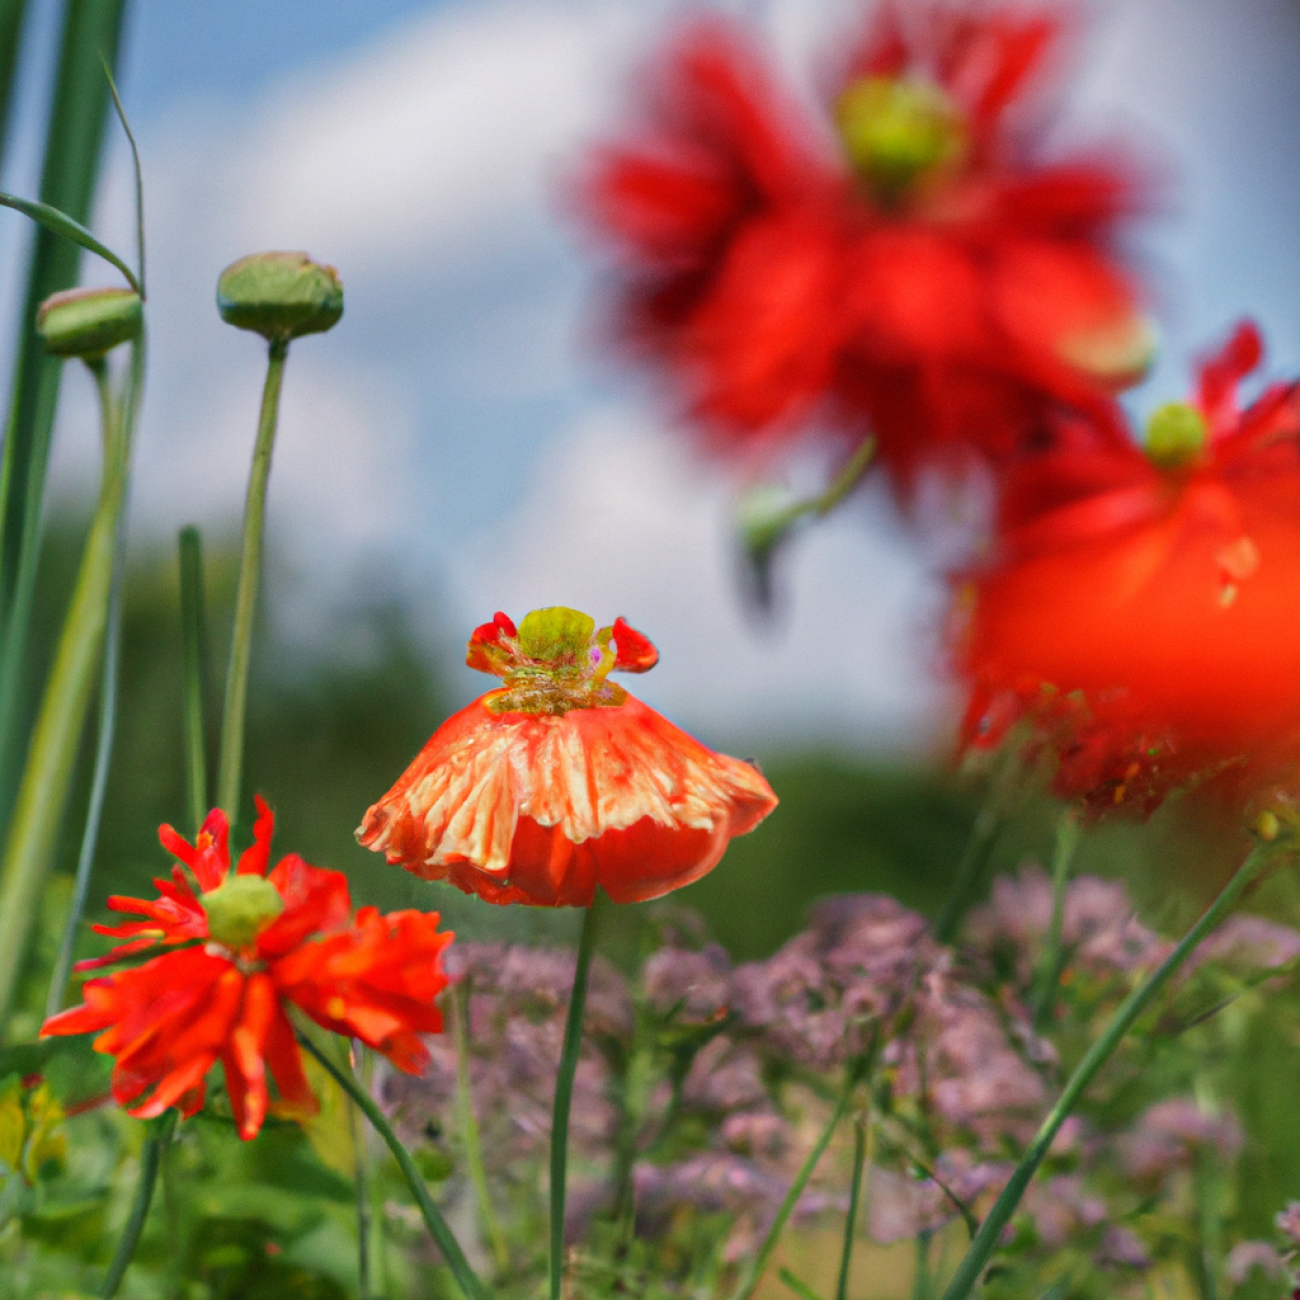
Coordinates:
[252,943]
[560,781]
[933,281]
[1142,607]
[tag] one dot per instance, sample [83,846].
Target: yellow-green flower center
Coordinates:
[558,661]
[1176,436]
[240,908]
[896,129]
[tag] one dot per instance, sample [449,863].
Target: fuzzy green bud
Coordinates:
[280,296]
[894,129]
[240,908]
[1176,436]
[88,323]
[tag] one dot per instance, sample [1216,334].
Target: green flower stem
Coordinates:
[469,1126]
[1052,960]
[465,1276]
[194,637]
[78,109]
[250,573]
[758,1266]
[360,1169]
[107,723]
[564,1090]
[970,869]
[47,775]
[860,1132]
[1126,1015]
[155,1143]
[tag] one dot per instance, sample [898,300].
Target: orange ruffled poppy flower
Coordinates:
[560,781]
[253,943]
[934,282]
[1142,607]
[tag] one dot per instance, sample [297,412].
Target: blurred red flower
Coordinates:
[932,281]
[1142,606]
[254,942]
[560,781]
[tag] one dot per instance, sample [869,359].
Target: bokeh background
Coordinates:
[457,445]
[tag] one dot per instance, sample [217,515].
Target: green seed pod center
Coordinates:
[1176,436]
[896,129]
[88,323]
[240,908]
[280,295]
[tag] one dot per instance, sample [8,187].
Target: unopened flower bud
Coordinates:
[88,323]
[896,128]
[280,295]
[1267,826]
[1176,436]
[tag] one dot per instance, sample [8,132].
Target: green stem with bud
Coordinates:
[250,572]
[564,1090]
[446,1241]
[51,758]
[1127,1014]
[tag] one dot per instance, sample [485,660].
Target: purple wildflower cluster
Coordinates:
[703,1084]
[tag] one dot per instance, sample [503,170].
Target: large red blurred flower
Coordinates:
[560,781]
[933,281]
[1143,609]
[252,943]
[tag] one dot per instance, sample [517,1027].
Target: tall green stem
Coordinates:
[155,1143]
[758,1266]
[1053,955]
[990,1232]
[970,869]
[465,1276]
[47,775]
[469,1130]
[250,573]
[109,417]
[71,165]
[860,1126]
[564,1091]
[194,640]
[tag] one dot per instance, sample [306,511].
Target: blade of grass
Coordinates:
[12,13]
[59,223]
[73,138]
[135,164]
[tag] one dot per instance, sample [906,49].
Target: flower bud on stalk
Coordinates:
[280,295]
[89,323]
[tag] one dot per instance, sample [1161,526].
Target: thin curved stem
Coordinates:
[250,574]
[758,1266]
[564,1091]
[986,1239]
[465,1276]
[970,869]
[155,1144]
[107,722]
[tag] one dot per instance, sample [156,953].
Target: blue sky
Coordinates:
[452,442]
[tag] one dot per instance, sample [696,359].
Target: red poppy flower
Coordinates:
[932,282]
[253,942]
[560,781]
[1142,605]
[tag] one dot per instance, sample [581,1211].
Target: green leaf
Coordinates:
[62,224]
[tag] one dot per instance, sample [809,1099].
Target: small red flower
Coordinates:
[560,781]
[252,943]
[933,282]
[1141,609]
